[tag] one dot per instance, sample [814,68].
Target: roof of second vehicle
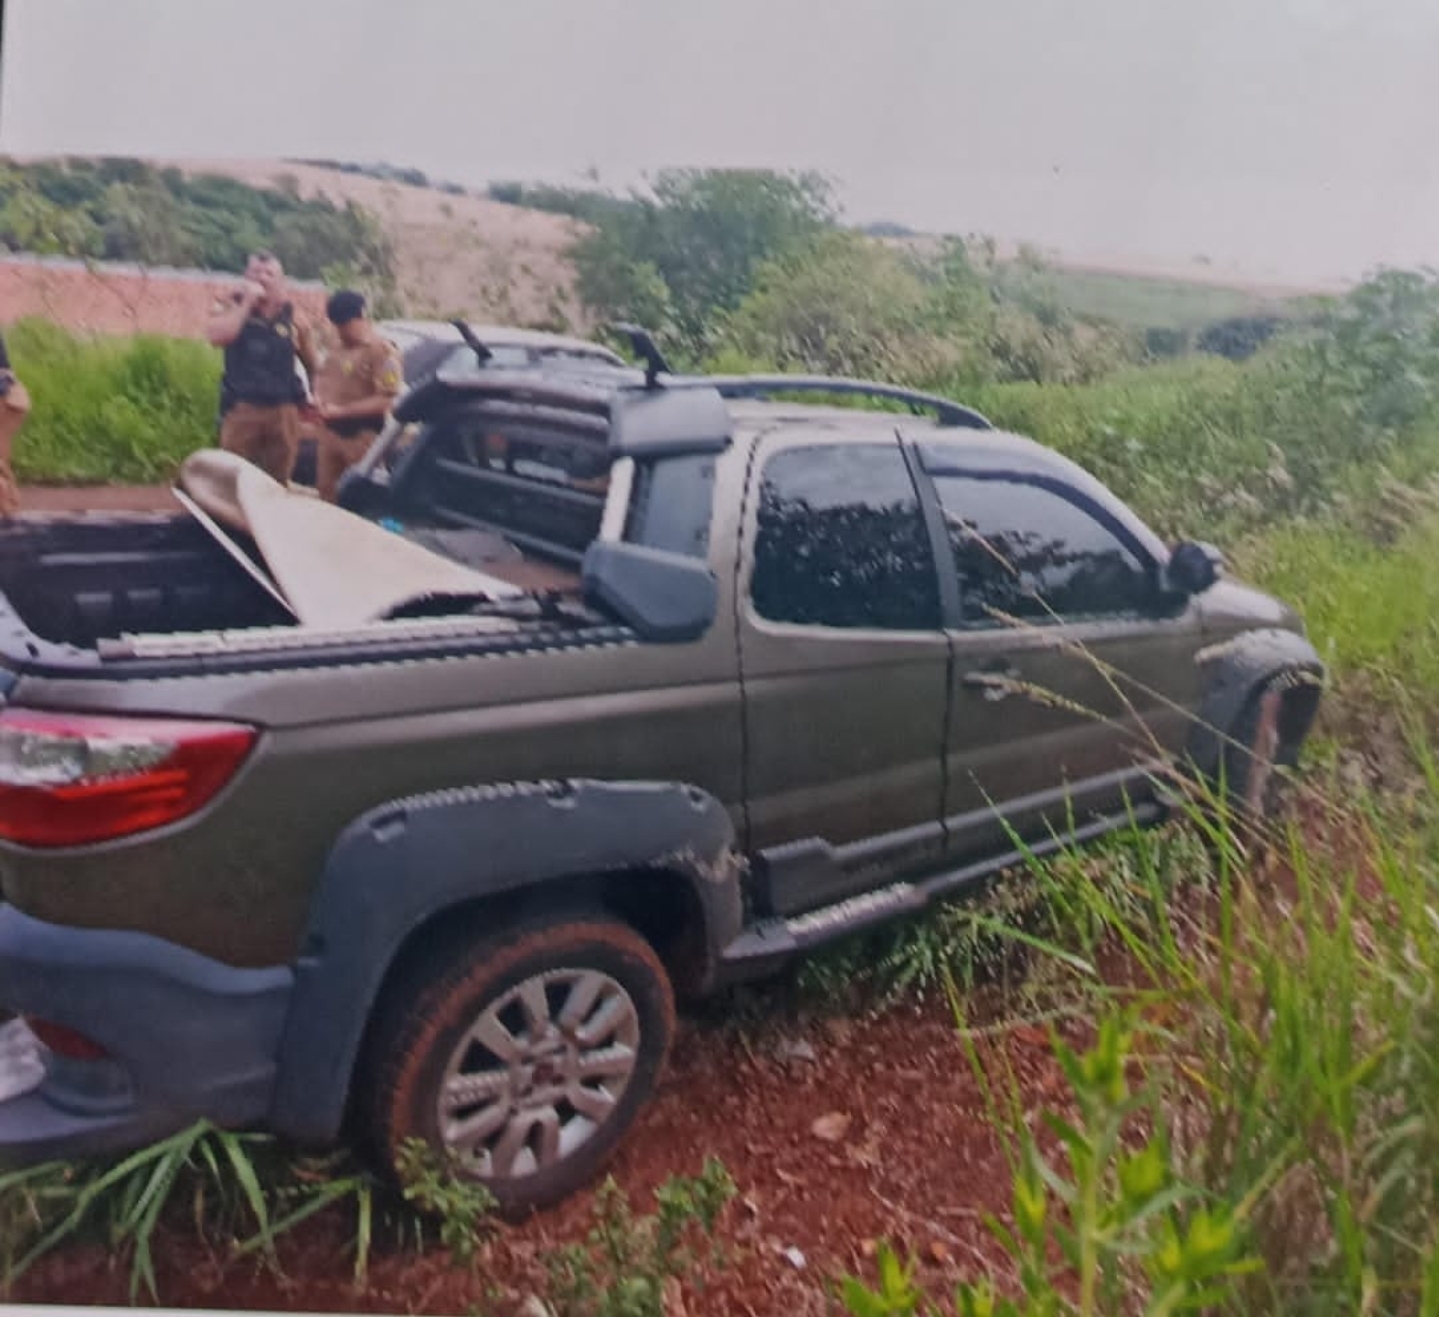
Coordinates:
[537,340]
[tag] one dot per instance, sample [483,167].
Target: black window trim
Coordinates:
[951,599]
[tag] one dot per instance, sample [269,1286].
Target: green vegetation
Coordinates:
[1372,605]
[623,1267]
[241,1194]
[1141,302]
[238,1187]
[1129,1233]
[682,254]
[113,409]
[126,210]
[688,251]
[1253,1126]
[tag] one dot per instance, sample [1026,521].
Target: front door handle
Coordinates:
[996,680]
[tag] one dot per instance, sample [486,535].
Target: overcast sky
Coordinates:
[1289,138]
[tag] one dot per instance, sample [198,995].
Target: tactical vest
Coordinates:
[260,364]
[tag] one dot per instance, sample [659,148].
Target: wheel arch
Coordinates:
[409,876]
[1235,671]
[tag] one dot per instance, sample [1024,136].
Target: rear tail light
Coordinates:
[65,1042]
[69,780]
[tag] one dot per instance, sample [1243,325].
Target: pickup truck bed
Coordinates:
[73,581]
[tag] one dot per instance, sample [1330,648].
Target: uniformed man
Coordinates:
[354,390]
[261,392]
[14,407]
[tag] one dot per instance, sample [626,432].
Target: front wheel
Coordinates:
[1256,757]
[523,1059]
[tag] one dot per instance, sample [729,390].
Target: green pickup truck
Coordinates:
[604,686]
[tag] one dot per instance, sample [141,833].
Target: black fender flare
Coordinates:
[1231,671]
[400,864]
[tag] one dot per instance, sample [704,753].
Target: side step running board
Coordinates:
[770,942]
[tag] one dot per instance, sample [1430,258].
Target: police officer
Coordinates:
[354,390]
[261,392]
[14,407]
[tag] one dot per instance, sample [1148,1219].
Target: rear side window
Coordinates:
[671,504]
[841,541]
[543,487]
[1025,551]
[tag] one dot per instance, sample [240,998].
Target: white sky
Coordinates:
[1286,138]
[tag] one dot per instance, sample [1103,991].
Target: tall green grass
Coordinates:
[1372,608]
[111,410]
[1200,447]
[1255,1126]
[1211,448]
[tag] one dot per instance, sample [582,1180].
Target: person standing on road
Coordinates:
[14,407]
[261,392]
[354,390]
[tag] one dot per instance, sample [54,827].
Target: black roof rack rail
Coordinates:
[471,340]
[643,345]
[947,411]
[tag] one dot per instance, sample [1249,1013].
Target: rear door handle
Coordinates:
[996,680]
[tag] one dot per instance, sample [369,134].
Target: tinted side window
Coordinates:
[671,504]
[1025,551]
[841,541]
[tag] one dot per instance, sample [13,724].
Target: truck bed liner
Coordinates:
[72,587]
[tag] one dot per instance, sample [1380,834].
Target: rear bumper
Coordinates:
[187,1038]
[33,1129]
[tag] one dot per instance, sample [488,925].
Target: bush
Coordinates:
[844,305]
[1254,1126]
[111,409]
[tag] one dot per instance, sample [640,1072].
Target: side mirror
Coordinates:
[1193,568]
[663,596]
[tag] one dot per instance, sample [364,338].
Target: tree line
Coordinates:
[742,268]
[120,209]
[732,269]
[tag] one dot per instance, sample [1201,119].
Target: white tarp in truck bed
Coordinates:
[332,568]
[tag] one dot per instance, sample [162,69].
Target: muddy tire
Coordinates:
[1256,756]
[525,1057]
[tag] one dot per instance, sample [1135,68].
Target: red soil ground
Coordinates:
[905,1154]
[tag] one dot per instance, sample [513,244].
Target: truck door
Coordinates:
[844,668]
[1073,676]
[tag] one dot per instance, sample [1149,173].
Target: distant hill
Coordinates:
[453,253]
[1142,295]
[502,255]
[420,214]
